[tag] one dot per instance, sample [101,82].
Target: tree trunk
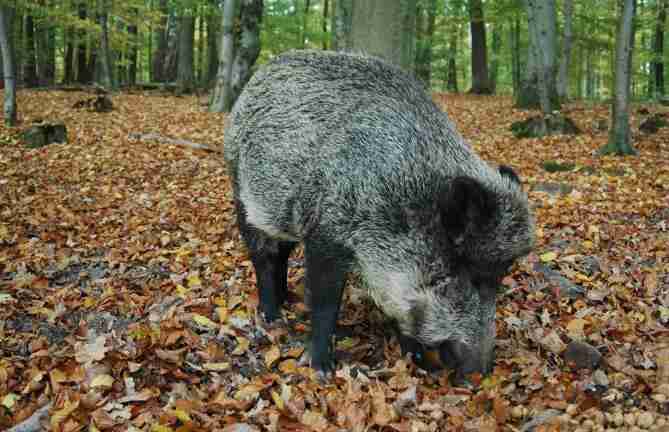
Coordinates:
[589,73]
[494,63]
[658,49]
[200,48]
[185,79]
[515,56]
[620,137]
[6,15]
[452,75]
[305,24]
[248,47]
[221,97]
[82,65]
[69,55]
[44,42]
[133,51]
[29,61]
[158,64]
[480,78]
[385,29]
[342,22]
[563,74]
[542,23]
[425,19]
[171,60]
[213,27]
[104,55]
[324,24]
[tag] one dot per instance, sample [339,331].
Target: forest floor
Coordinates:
[127,301]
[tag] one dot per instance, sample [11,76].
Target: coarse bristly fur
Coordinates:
[351,149]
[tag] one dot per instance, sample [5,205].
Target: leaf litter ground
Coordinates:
[128,300]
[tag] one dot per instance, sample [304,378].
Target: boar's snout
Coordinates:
[466,359]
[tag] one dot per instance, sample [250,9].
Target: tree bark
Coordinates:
[69,53]
[425,20]
[305,24]
[221,97]
[9,73]
[324,24]
[494,63]
[200,48]
[479,52]
[563,74]
[213,21]
[82,65]
[29,61]
[515,56]
[158,62]
[620,137]
[248,46]
[342,23]
[104,55]
[385,29]
[185,78]
[133,51]
[658,49]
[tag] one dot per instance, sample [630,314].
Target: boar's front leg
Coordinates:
[326,268]
[270,260]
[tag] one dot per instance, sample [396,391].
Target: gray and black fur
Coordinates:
[350,155]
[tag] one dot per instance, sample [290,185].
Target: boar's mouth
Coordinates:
[464,359]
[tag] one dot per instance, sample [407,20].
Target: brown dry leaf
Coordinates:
[575,329]
[314,420]
[272,355]
[242,346]
[87,352]
[172,356]
[383,412]
[289,366]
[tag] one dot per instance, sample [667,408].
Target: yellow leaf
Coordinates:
[242,346]
[288,366]
[182,291]
[272,355]
[278,401]
[59,416]
[216,367]
[194,281]
[10,400]
[249,391]
[548,257]
[222,313]
[182,415]
[103,380]
[204,321]
[161,428]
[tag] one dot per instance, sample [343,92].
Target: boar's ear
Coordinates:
[507,171]
[467,207]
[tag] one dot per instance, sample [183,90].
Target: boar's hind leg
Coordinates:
[325,276]
[270,260]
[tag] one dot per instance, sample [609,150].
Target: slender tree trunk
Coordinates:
[44,44]
[248,48]
[221,97]
[452,76]
[324,24]
[658,49]
[29,61]
[200,48]
[185,79]
[104,55]
[515,55]
[305,24]
[213,28]
[133,51]
[171,60]
[82,65]
[494,63]
[158,65]
[589,73]
[620,137]
[563,74]
[342,22]
[425,19]
[480,77]
[6,16]
[69,50]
